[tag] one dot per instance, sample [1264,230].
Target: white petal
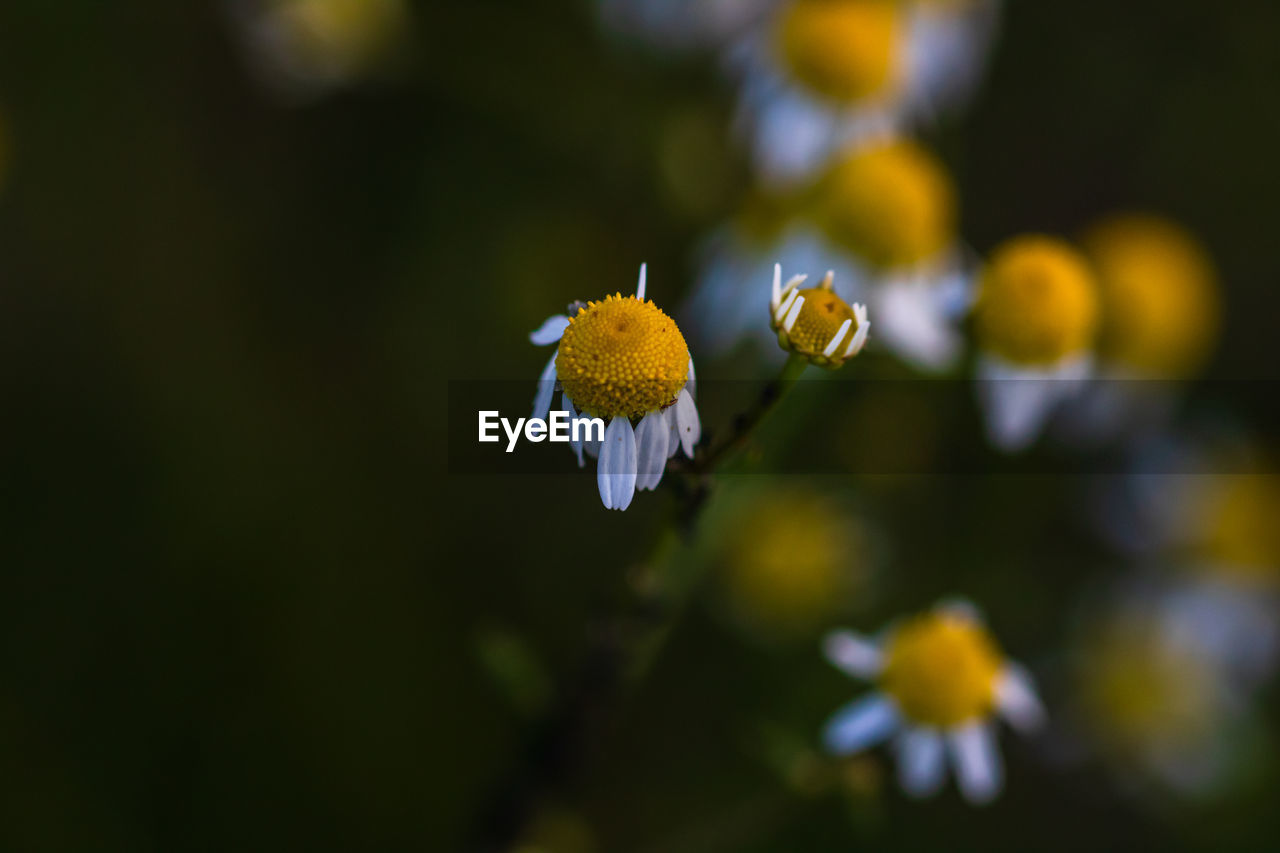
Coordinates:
[777,287]
[793,314]
[913,322]
[1018,401]
[550,331]
[644,271]
[673,441]
[921,761]
[785,306]
[575,446]
[979,769]
[652,437]
[1017,701]
[546,389]
[687,422]
[692,382]
[835,341]
[852,653]
[616,473]
[860,724]
[860,336]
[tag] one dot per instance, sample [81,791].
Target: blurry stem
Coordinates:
[620,648]
[696,485]
[745,423]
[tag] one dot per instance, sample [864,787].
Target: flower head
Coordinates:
[1159,294]
[1037,302]
[891,204]
[794,556]
[941,680]
[622,359]
[815,322]
[844,50]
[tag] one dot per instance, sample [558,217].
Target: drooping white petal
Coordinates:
[673,440]
[574,445]
[616,473]
[652,437]
[793,314]
[644,270]
[979,768]
[550,331]
[853,653]
[1016,699]
[921,761]
[692,382]
[1018,401]
[687,422]
[860,724]
[777,288]
[914,324]
[835,341]
[546,389]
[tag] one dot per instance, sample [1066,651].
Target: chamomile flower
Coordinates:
[819,74]
[1159,294]
[1165,712]
[941,682]
[622,359]
[1160,315]
[1035,318]
[892,206]
[795,557]
[815,323]
[304,47]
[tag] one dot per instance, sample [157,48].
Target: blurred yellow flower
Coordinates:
[815,323]
[942,681]
[941,669]
[845,50]
[1037,302]
[1136,689]
[796,558]
[892,204]
[1241,533]
[1160,309]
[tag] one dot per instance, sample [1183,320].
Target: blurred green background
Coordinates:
[245,605]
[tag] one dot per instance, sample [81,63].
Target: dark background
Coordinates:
[244,604]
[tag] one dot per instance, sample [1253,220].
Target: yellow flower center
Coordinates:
[1242,535]
[941,669]
[1159,295]
[1037,302]
[846,50]
[794,560]
[893,205]
[622,358]
[820,318]
[1136,689]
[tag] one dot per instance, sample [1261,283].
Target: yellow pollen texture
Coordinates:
[1037,302]
[845,50]
[621,357]
[820,318]
[941,669]
[893,205]
[1159,295]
